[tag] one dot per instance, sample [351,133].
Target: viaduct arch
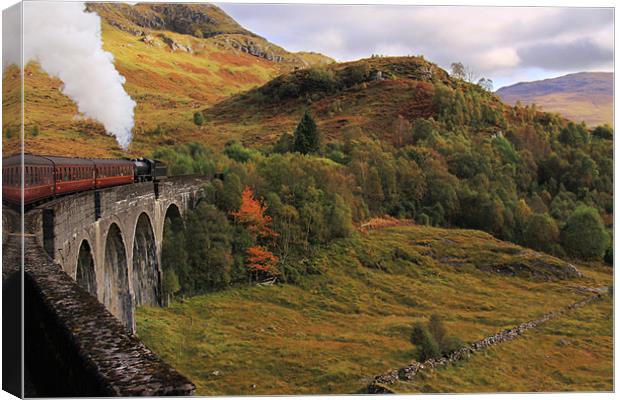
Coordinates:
[109,241]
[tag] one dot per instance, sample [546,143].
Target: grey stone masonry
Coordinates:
[75,347]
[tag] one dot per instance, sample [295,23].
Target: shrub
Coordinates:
[609,255]
[603,132]
[198,118]
[451,343]
[427,346]
[432,340]
[584,234]
[236,151]
[424,219]
[541,233]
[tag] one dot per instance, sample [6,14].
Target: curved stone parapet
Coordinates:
[75,347]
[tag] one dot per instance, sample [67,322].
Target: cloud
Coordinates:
[11,33]
[577,54]
[496,41]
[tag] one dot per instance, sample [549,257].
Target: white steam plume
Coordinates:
[66,41]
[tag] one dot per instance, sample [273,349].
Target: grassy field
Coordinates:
[572,353]
[337,330]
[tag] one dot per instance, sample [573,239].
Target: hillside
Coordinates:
[335,331]
[584,96]
[176,60]
[368,95]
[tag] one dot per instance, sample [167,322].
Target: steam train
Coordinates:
[46,177]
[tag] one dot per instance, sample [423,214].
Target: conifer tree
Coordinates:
[306,139]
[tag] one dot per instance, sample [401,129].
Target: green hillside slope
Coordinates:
[333,332]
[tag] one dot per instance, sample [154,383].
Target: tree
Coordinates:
[422,129]
[464,72]
[284,144]
[584,234]
[170,284]
[306,138]
[251,214]
[573,134]
[209,246]
[238,152]
[401,130]
[260,262]
[198,118]
[457,70]
[486,84]
[603,132]
[541,233]
[174,258]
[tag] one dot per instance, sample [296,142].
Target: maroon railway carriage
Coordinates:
[71,174]
[111,172]
[49,176]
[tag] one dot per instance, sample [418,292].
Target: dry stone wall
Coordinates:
[380,384]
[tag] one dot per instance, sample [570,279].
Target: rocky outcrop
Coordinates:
[380,383]
[174,45]
[252,46]
[199,20]
[202,21]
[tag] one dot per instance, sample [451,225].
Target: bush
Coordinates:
[451,344]
[432,340]
[609,256]
[603,132]
[198,118]
[427,346]
[541,233]
[584,234]
[236,151]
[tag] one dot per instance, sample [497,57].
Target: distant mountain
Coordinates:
[584,96]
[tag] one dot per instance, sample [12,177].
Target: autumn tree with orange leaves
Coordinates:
[261,262]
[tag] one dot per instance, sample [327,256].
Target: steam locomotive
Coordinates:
[46,177]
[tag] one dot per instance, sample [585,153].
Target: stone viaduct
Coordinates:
[110,240]
[89,259]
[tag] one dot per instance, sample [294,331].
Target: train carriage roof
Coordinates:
[111,161]
[32,159]
[58,161]
[29,159]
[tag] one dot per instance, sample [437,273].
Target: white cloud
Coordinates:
[496,41]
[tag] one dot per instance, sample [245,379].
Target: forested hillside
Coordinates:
[455,157]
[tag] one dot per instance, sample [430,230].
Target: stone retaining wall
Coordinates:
[75,347]
[408,373]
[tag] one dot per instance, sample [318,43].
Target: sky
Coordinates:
[505,44]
